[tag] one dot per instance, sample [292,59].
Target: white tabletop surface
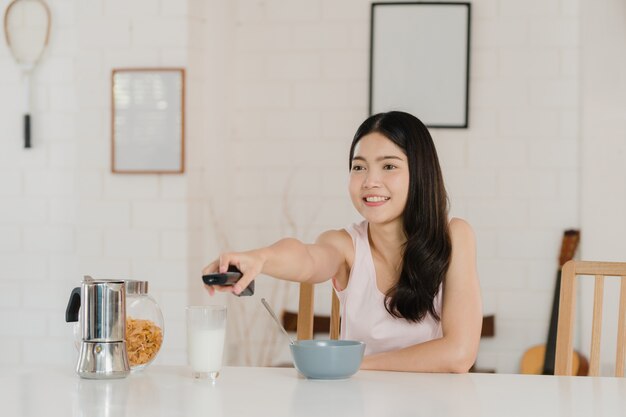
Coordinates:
[240,391]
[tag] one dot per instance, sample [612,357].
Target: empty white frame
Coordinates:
[419,61]
[148,120]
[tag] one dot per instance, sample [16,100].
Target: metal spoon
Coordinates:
[269,309]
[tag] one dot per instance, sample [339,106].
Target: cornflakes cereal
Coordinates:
[143,340]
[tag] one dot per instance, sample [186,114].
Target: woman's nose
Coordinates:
[371,180]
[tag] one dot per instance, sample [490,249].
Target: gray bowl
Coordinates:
[327,359]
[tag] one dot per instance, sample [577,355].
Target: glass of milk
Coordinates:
[206,330]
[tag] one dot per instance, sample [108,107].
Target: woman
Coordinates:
[406,275]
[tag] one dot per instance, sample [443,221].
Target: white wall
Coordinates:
[603,148]
[63,214]
[276,90]
[301,90]
[517,179]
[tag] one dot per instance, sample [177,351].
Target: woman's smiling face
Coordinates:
[379,179]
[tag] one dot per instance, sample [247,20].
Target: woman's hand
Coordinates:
[249,263]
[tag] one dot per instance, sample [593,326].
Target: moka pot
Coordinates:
[102,307]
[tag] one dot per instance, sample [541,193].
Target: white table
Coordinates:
[275,392]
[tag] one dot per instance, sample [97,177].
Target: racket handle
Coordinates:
[27,130]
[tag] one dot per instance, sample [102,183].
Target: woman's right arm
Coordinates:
[288,259]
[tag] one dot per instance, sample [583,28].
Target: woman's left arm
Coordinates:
[461,317]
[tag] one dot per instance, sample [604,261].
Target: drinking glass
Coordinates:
[206,330]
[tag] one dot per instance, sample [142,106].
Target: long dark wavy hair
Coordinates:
[427,249]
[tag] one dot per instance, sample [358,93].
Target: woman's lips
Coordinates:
[375,200]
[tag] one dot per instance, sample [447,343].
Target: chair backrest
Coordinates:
[564,348]
[306,312]
[305,322]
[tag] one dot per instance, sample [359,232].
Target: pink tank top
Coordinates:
[363,314]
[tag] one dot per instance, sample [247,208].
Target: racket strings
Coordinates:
[27,29]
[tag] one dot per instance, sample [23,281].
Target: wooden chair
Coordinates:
[564,349]
[305,320]
[305,323]
[488,329]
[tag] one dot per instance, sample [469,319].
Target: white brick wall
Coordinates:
[268,135]
[62,213]
[602,150]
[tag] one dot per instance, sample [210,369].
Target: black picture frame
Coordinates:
[420,60]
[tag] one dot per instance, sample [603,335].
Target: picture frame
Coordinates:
[148,120]
[419,61]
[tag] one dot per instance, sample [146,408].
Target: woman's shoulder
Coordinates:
[339,238]
[341,241]
[346,235]
[460,229]
[462,239]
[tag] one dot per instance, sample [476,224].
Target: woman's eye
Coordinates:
[357,168]
[389,167]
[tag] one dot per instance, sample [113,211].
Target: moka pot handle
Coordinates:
[73,305]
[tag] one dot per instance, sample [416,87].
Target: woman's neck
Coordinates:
[388,241]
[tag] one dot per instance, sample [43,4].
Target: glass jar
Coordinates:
[144,325]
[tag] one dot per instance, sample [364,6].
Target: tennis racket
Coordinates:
[27,30]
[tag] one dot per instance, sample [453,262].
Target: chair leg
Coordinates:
[334,318]
[564,349]
[305,312]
